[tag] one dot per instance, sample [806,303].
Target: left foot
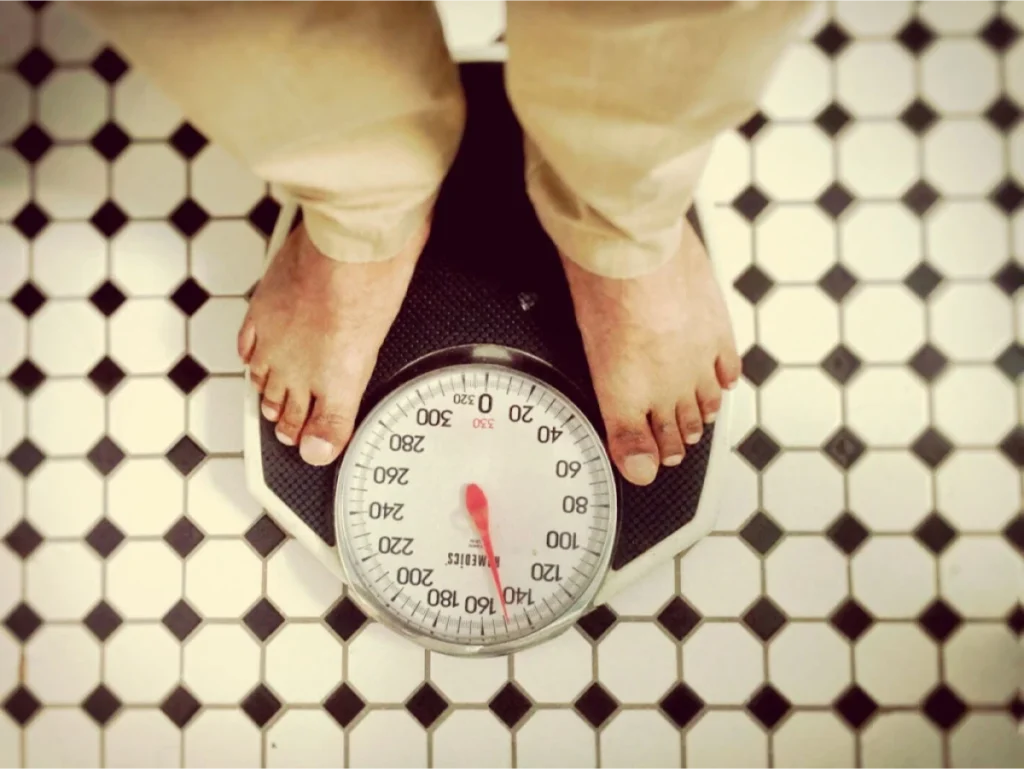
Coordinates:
[660,349]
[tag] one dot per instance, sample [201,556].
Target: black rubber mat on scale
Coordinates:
[489,275]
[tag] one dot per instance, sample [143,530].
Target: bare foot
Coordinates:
[660,349]
[311,338]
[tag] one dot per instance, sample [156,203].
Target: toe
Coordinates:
[709,397]
[274,393]
[691,423]
[728,368]
[246,339]
[293,417]
[326,432]
[666,434]
[634,450]
[259,371]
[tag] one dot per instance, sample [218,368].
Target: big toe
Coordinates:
[633,448]
[326,432]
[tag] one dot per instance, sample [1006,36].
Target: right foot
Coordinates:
[311,338]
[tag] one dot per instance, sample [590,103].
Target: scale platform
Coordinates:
[490,276]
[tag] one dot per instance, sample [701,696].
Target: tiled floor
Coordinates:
[858,604]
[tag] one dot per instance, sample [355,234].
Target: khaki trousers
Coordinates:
[356,107]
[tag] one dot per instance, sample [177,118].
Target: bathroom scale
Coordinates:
[476,510]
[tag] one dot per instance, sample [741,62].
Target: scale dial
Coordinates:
[476,509]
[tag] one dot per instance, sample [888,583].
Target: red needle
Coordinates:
[476,504]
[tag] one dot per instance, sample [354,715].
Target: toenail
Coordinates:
[270,411]
[710,418]
[673,460]
[733,384]
[641,468]
[693,438]
[316,451]
[287,441]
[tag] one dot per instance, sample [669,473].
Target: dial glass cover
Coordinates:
[460,464]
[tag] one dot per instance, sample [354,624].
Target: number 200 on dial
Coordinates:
[476,510]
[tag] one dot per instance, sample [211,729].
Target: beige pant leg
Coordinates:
[355,108]
[620,101]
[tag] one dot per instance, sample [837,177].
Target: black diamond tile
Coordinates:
[750,203]
[932,447]
[761,533]
[1000,34]
[109,65]
[110,141]
[21,705]
[1015,620]
[109,219]
[833,119]
[186,455]
[106,376]
[108,298]
[344,705]
[935,533]
[23,540]
[756,122]
[1016,708]
[263,215]
[265,536]
[187,374]
[25,457]
[1011,361]
[918,117]
[753,284]
[1014,533]
[845,448]
[510,705]
[261,705]
[915,36]
[923,280]
[1012,446]
[26,377]
[183,537]
[596,705]
[841,364]
[105,456]
[834,200]
[940,620]
[189,297]
[33,143]
[181,620]
[37,5]
[944,707]
[28,299]
[102,704]
[758,365]
[928,362]
[22,622]
[847,533]
[832,39]
[855,706]
[104,538]
[345,618]
[758,448]
[694,220]
[837,282]
[1010,278]
[35,66]
[679,618]
[1008,196]
[764,619]
[1003,113]
[188,141]
[426,705]
[263,619]
[180,706]
[768,706]
[851,619]
[189,218]
[682,704]
[597,622]
[30,220]
[102,620]
[920,198]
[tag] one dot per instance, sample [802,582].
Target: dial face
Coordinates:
[476,509]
